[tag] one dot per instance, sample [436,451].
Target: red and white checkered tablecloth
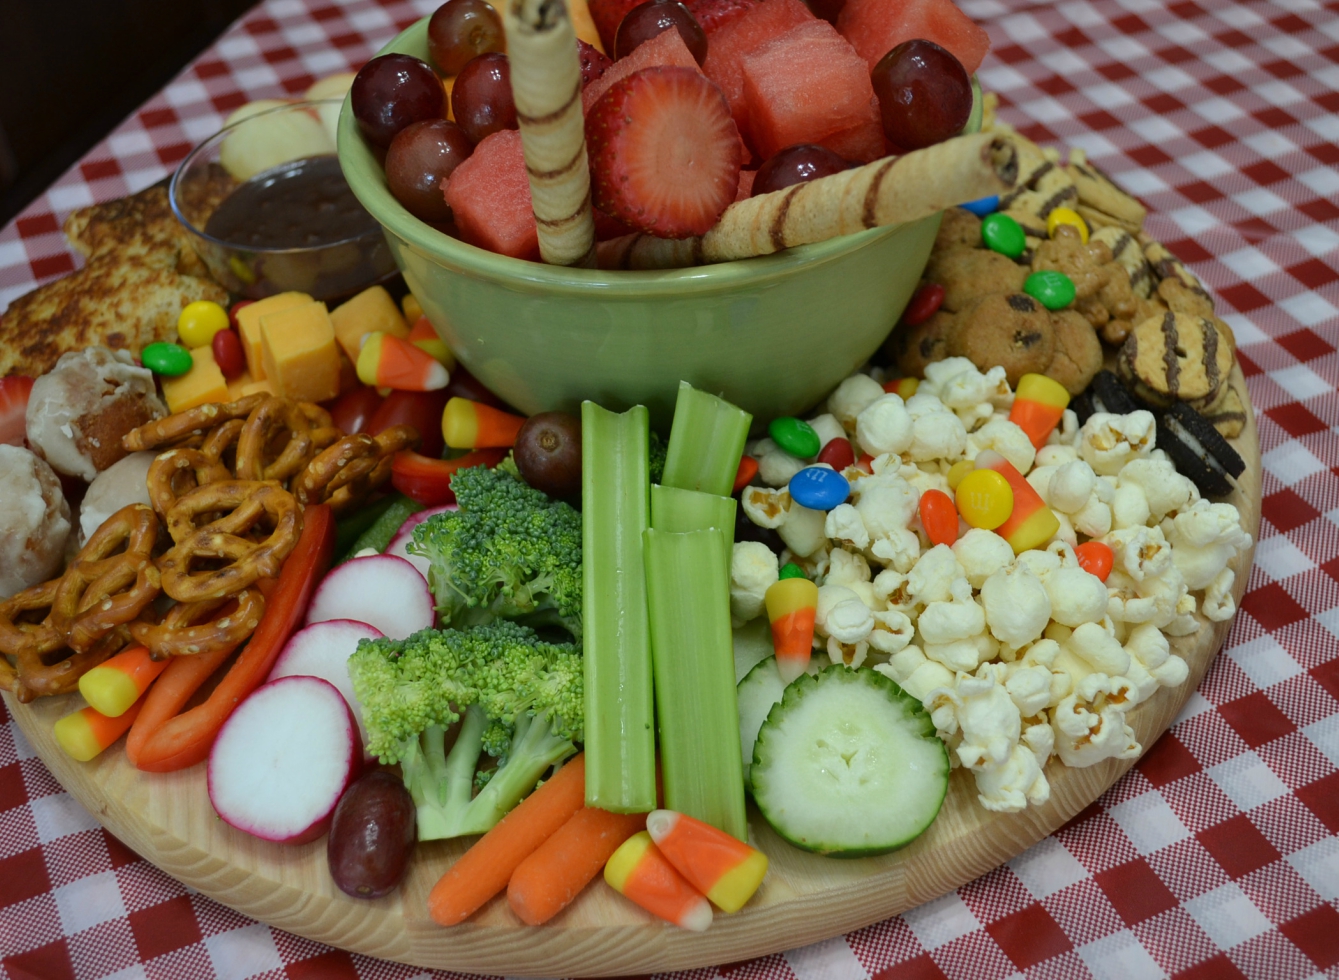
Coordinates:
[1218,856]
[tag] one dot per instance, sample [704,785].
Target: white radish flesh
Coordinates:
[323,650]
[283,759]
[383,591]
[399,546]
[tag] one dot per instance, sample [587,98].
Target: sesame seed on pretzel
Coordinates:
[182,632]
[184,425]
[346,473]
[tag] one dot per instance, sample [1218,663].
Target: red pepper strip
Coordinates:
[748,469]
[428,481]
[185,739]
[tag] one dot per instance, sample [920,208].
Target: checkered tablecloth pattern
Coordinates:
[1217,857]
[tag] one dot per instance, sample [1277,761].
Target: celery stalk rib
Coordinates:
[688,595]
[678,510]
[620,714]
[706,441]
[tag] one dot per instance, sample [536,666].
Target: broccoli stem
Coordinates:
[445,780]
[534,748]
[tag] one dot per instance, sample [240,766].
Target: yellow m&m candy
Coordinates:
[1066,216]
[985,499]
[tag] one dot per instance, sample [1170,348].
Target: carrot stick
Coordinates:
[182,678]
[547,881]
[485,868]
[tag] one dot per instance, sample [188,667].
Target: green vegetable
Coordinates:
[373,526]
[509,552]
[615,502]
[848,764]
[655,457]
[513,694]
[705,443]
[678,510]
[688,594]
[761,688]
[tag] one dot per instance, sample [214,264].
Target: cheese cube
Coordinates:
[264,387]
[248,326]
[238,383]
[202,384]
[301,358]
[372,309]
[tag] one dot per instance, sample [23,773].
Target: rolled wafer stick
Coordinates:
[546,85]
[886,192]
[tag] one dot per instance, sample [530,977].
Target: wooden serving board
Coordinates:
[168,820]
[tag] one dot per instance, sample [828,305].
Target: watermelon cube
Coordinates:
[728,46]
[861,143]
[745,188]
[875,27]
[805,86]
[666,48]
[489,195]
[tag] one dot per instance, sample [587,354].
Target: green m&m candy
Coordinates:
[791,570]
[795,437]
[1053,290]
[169,360]
[1003,234]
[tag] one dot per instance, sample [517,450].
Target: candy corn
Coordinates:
[639,872]
[424,337]
[1031,523]
[474,425]
[112,687]
[386,361]
[724,869]
[791,606]
[84,734]
[1039,404]
[904,388]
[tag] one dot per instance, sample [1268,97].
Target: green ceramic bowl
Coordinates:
[772,334]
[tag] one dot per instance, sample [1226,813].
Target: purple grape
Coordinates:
[924,94]
[393,91]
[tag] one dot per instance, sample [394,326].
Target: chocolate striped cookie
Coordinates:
[1176,357]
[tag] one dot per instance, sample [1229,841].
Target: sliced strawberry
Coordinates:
[715,14]
[594,62]
[14,392]
[664,152]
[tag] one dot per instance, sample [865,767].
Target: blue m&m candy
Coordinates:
[984,206]
[819,488]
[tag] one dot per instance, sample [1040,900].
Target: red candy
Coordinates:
[865,462]
[837,453]
[939,517]
[1095,558]
[232,311]
[228,353]
[924,304]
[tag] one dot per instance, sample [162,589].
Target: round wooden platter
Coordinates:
[168,820]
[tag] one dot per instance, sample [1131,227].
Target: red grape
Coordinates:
[420,157]
[481,98]
[796,165]
[594,62]
[826,9]
[393,91]
[652,18]
[460,30]
[924,94]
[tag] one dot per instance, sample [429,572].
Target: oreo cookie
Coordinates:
[1198,450]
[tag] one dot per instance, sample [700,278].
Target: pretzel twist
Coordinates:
[186,425]
[24,635]
[182,632]
[33,645]
[179,471]
[262,451]
[110,581]
[346,473]
[244,506]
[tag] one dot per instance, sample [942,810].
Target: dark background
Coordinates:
[71,70]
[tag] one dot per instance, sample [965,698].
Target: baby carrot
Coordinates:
[84,734]
[112,687]
[485,868]
[474,425]
[546,882]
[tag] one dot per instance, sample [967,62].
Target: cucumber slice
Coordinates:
[848,764]
[760,689]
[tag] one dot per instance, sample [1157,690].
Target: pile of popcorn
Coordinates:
[1016,658]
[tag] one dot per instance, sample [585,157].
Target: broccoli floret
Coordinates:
[516,697]
[509,552]
[655,457]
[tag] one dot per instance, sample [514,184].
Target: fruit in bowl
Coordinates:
[545,337]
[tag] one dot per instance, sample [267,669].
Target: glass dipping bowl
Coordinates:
[267,142]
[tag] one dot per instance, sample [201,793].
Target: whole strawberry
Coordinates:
[664,152]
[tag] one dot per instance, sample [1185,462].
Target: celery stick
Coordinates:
[678,510]
[688,594]
[705,443]
[615,498]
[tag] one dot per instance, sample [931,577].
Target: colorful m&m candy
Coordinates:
[792,604]
[721,867]
[1031,523]
[819,488]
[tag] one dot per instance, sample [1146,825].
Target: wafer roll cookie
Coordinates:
[644,252]
[546,84]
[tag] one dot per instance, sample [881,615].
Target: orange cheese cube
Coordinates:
[237,384]
[301,358]
[371,310]
[248,326]
[202,384]
[263,387]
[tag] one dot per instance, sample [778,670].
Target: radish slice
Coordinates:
[283,759]
[400,543]
[323,650]
[383,591]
